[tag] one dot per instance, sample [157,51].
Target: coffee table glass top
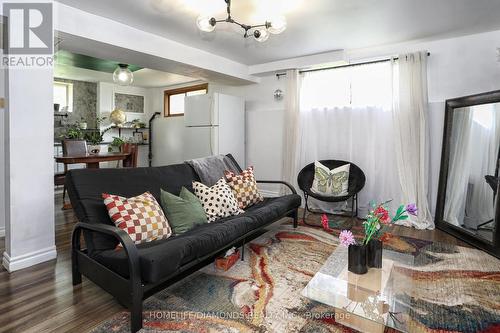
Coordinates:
[426,286]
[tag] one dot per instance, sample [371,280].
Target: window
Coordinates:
[354,86]
[174,99]
[63,95]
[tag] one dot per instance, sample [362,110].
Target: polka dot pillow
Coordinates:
[218,201]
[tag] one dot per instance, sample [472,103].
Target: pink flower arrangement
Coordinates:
[347,238]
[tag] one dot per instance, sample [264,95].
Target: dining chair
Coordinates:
[70,147]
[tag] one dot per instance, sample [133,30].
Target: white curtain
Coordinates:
[411,134]
[291,126]
[345,115]
[458,173]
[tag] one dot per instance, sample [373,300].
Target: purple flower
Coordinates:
[346,238]
[412,209]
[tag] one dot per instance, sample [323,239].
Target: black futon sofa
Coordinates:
[134,273]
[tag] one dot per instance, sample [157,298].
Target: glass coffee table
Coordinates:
[432,285]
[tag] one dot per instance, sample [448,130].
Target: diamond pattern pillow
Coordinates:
[244,187]
[141,217]
[218,201]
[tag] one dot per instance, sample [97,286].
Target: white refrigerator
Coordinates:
[215,124]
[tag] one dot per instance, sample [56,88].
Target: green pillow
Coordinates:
[184,211]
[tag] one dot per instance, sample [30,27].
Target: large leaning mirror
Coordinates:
[467,204]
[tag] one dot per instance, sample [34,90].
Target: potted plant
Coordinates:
[116,144]
[96,137]
[368,252]
[73,132]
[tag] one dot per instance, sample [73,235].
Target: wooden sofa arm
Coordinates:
[278,182]
[120,235]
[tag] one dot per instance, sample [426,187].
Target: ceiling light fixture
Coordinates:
[123,75]
[260,32]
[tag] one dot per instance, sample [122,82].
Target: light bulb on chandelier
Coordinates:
[260,32]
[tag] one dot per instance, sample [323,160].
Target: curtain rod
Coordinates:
[343,66]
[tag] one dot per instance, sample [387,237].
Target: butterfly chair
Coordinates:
[357,181]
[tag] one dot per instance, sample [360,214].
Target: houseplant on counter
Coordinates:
[368,253]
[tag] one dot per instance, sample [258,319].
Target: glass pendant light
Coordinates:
[261,35]
[206,23]
[123,75]
[278,25]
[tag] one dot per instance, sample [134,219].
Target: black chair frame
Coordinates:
[357,180]
[130,292]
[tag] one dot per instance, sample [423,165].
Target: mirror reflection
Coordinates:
[473,169]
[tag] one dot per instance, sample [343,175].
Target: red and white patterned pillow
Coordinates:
[141,217]
[244,187]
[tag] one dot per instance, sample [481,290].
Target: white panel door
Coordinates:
[232,127]
[200,142]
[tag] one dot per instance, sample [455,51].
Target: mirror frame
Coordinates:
[451,104]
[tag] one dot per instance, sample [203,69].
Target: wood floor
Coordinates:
[42,299]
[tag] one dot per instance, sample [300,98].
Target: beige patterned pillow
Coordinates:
[244,187]
[141,217]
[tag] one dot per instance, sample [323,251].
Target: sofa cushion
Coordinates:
[272,208]
[244,187]
[184,212]
[218,201]
[85,187]
[162,258]
[141,217]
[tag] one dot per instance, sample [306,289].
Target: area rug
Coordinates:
[263,293]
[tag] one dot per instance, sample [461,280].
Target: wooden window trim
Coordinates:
[183,90]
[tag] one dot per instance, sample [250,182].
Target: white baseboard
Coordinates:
[2,232]
[29,259]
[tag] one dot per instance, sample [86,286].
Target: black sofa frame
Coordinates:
[131,292]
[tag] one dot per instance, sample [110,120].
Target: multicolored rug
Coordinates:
[263,293]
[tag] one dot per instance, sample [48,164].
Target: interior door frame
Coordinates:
[451,104]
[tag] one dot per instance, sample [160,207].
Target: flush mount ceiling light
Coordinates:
[123,75]
[260,32]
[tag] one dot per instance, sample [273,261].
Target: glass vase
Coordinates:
[374,253]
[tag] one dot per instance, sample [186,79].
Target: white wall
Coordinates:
[29,199]
[2,154]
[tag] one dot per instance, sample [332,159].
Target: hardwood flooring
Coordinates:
[42,299]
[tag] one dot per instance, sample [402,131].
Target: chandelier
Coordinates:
[260,32]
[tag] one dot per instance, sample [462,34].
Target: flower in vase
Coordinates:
[382,214]
[412,209]
[324,222]
[346,238]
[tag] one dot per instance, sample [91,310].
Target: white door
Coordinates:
[232,127]
[200,142]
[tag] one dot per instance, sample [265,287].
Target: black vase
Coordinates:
[374,253]
[357,259]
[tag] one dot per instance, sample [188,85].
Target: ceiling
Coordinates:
[64,57]
[314,26]
[146,78]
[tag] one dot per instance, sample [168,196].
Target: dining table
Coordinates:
[92,160]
